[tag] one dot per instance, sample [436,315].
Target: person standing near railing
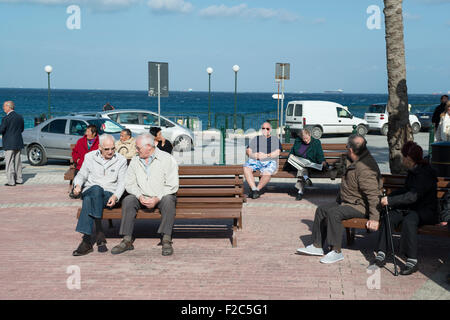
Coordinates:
[11,130]
[443,130]
[438,111]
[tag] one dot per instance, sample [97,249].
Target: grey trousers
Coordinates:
[300,185]
[328,224]
[130,206]
[13,167]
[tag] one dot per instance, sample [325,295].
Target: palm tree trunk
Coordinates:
[399,127]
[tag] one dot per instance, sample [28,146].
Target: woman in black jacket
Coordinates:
[414,205]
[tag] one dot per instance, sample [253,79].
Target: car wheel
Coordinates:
[316,132]
[415,128]
[182,143]
[384,130]
[36,155]
[361,130]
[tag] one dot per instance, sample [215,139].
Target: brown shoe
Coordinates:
[83,249]
[122,247]
[167,248]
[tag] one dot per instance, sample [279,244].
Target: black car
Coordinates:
[425,118]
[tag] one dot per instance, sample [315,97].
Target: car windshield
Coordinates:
[106,126]
[377,108]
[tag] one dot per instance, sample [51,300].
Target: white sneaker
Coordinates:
[311,251]
[332,257]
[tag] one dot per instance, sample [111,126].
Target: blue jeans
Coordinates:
[94,200]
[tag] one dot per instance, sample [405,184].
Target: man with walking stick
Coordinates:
[412,206]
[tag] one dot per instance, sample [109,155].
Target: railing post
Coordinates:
[431,139]
[287,134]
[222,146]
[226,121]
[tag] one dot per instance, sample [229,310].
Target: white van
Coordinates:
[323,117]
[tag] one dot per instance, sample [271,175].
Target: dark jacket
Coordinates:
[11,130]
[361,186]
[314,152]
[80,150]
[445,213]
[437,114]
[419,194]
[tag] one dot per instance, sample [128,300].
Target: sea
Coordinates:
[251,108]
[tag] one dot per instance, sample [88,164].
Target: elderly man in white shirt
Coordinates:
[102,177]
[152,182]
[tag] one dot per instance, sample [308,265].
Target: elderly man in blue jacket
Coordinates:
[102,176]
[11,130]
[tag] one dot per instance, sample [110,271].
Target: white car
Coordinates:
[322,117]
[377,118]
[140,121]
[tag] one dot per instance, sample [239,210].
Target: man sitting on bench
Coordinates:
[306,153]
[263,152]
[359,197]
[103,177]
[152,182]
[413,206]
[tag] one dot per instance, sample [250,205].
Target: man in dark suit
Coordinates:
[11,130]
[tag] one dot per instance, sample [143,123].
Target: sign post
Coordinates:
[282,72]
[158,83]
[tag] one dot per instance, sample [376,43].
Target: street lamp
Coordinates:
[209,71]
[235,69]
[49,70]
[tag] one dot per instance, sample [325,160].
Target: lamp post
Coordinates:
[235,69]
[49,70]
[209,71]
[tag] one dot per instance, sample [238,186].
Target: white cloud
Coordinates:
[169,6]
[96,4]
[411,16]
[243,11]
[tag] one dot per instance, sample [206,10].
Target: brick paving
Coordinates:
[37,223]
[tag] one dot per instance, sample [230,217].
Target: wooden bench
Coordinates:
[333,152]
[205,192]
[391,183]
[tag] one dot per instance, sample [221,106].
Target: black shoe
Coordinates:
[10,185]
[101,242]
[255,194]
[19,182]
[409,270]
[299,196]
[379,263]
[83,249]
[308,182]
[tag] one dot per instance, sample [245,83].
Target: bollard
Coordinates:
[222,146]
[430,140]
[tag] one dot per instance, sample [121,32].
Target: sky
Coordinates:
[329,44]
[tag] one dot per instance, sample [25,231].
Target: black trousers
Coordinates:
[410,222]
[328,224]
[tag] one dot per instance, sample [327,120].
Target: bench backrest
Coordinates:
[211,181]
[333,152]
[393,182]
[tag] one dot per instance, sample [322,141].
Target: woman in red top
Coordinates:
[88,143]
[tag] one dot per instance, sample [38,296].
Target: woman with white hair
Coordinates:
[443,131]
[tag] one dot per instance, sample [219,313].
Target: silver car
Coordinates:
[140,121]
[52,138]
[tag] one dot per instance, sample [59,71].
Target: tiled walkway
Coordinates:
[37,223]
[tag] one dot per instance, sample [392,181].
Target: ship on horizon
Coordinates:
[334,91]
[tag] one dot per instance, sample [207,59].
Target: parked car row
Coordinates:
[322,117]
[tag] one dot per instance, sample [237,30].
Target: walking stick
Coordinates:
[388,222]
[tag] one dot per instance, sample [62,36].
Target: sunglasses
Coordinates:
[263,128]
[109,149]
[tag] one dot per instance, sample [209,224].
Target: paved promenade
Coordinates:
[37,222]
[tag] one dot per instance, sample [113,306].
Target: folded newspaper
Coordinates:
[299,163]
